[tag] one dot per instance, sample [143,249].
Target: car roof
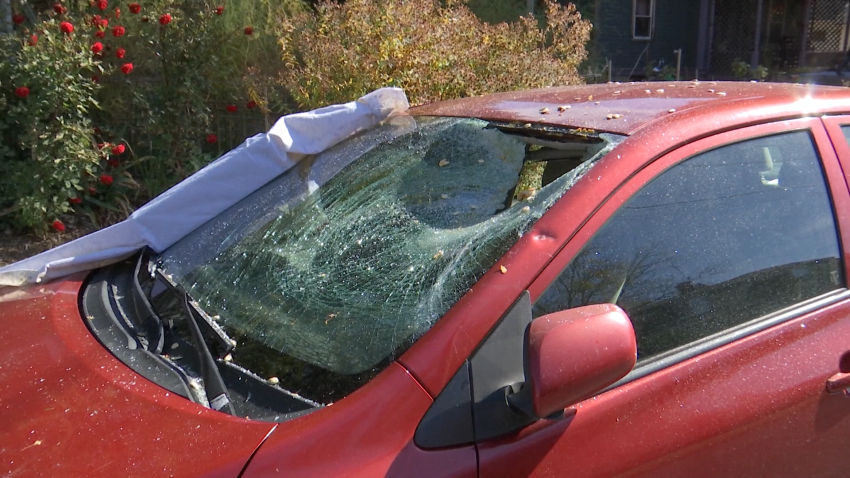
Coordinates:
[625,108]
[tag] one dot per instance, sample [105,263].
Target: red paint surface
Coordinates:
[756,407]
[369,433]
[572,354]
[842,148]
[725,103]
[69,408]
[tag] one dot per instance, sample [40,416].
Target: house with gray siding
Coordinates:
[704,37]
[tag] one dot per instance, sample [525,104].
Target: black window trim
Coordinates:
[707,344]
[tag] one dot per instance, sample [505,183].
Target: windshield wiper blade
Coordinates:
[149,329]
[214,386]
[213,383]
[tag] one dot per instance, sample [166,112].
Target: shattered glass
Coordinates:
[346,259]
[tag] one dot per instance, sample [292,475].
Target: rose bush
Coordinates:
[46,137]
[87,86]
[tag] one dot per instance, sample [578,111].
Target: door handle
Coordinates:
[838,383]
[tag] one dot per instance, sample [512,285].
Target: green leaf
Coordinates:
[102,204]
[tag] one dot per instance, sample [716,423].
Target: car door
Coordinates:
[838,128]
[726,254]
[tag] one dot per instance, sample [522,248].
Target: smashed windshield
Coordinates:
[344,260]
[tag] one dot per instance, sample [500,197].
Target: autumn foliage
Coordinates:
[108,102]
[431,50]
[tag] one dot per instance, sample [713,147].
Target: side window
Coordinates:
[846,131]
[717,240]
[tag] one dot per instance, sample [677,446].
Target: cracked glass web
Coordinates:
[350,256]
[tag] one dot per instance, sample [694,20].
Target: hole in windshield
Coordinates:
[338,265]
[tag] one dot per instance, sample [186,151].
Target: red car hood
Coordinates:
[69,408]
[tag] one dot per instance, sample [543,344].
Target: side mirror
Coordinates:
[572,355]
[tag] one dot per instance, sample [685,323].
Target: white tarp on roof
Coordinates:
[181,209]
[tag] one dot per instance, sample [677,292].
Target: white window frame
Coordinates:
[651,20]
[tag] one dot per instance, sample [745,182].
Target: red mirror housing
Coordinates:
[573,354]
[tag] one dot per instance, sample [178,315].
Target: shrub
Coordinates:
[182,63]
[498,11]
[48,156]
[743,71]
[107,103]
[152,77]
[432,51]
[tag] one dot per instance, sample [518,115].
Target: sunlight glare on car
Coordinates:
[807,105]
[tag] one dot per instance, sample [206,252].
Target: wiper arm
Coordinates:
[214,386]
[213,383]
[147,324]
[149,330]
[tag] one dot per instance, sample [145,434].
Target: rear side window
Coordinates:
[717,240]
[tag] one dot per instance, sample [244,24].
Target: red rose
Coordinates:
[118,31]
[18,19]
[101,146]
[135,8]
[22,92]
[249,31]
[66,27]
[113,163]
[103,23]
[126,68]
[251,105]
[117,13]
[212,139]
[58,226]
[105,179]
[92,190]
[33,40]
[102,4]
[99,34]
[95,79]
[165,19]
[119,53]
[231,108]
[219,10]
[59,9]
[75,200]
[118,149]
[97,47]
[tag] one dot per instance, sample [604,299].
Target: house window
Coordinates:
[643,19]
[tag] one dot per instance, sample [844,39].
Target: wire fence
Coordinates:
[828,26]
[734,31]
[230,130]
[233,128]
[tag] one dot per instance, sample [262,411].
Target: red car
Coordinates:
[645,279]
